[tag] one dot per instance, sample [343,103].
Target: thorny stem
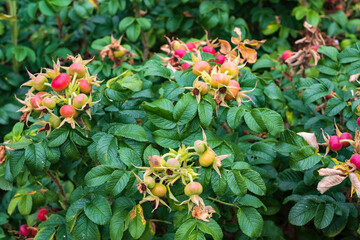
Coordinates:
[225,203]
[143,35]
[226,127]
[57,183]
[14,30]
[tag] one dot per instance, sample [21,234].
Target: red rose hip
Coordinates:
[358,121]
[42,214]
[209,49]
[180,52]
[68,111]
[344,136]
[286,55]
[334,143]
[24,230]
[61,82]
[220,59]
[191,46]
[355,159]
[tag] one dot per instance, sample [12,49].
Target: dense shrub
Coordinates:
[179,119]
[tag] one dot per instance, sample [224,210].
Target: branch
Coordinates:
[57,183]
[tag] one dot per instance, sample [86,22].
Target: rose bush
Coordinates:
[126,134]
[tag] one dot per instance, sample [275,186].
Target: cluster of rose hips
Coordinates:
[117,53]
[64,98]
[219,76]
[26,231]
[167,169]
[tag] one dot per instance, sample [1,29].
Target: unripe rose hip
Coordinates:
[173,162]
[334,143]
[80,100]
[207,158]
[209,49]
[200,67]
[193,188]
[220,59]
[180,52]
[119,53]
[24,230]
[85,86]
[234,88]
[231,69]
[36,101]
[355,159]
[68,111]
[61,82]
[219,80]
[39,83]
[200,146]
[149,182]
[202,87]
[159,190]
[42,214]
[54,121]
[77,68]
[49,103]
[344,136]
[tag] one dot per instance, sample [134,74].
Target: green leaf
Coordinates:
[304,159]
[58,136]
[236,183]
[218,183]
[117,182]
[313,18]
[288,179]
[98,210]
[13,203]
[205,112]
[160,113]
[107,149]
[185,109]
[117,224]
[133,32]
[265,63]
[61,3]
[45,233]
[167,139]
[334,106]
[98,175]
[137,222]
[349,55]
[329,51]
[125,23]
[354,68]
[302,212]
[25,205]
[290,141]
[250,221]
[185,229]
[129,157]
[35,157]
[20,53]
[254,182]
[212,228]
[144,24]
[262,118]
[315,92]
[16,161]
[85,229]
[155,68]
[131,131]
[324,215]
[250,201]
[234,116]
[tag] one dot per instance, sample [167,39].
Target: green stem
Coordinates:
[225,203]
[14,30]
[162,221]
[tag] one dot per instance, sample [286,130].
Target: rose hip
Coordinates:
[334,143]
[344,136]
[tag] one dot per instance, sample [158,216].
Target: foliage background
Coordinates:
[32,33]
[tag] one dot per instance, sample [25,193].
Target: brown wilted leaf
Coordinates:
[330,172]
[2,153]
[236,40]
[249,54]
[254,43]
[203,212]
[355,183]
[310,138]
[225,46]
[327,182]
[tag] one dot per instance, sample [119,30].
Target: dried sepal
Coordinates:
[329,181]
